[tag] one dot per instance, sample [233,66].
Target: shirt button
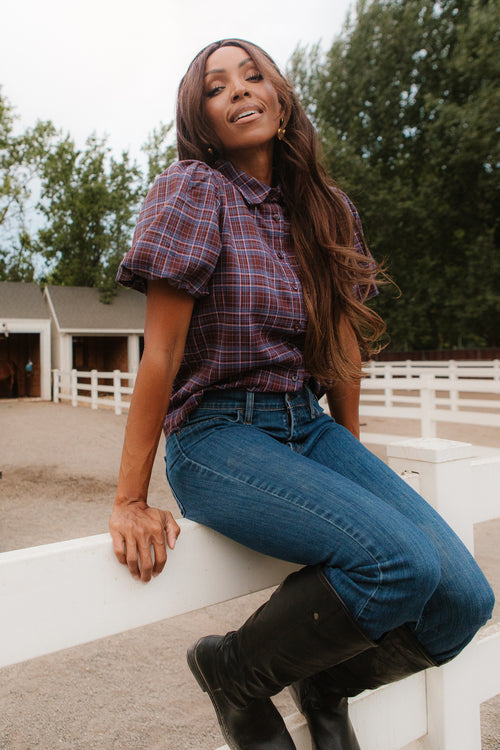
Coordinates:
[296,287]
[294,378]
[276,217]
[296,327]
[280,255]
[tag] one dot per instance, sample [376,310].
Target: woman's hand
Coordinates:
[135,528]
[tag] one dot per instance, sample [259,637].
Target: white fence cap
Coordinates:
[435,450]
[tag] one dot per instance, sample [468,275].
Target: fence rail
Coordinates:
[80,592]
[430,393]
[488,369]
[430,399]
[94,388]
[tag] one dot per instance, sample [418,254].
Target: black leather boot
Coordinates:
[326,711]
[303,628]
[323,698]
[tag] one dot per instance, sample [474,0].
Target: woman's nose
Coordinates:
[239,91]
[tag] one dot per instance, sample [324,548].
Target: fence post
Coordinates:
[94,395]
[74,388]
[496,369]
[453,380]
[57,385]
[388,389]
[427,395]
[117,391]
[446,478]
[369,370]
[453,708]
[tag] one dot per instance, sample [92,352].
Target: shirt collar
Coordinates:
[253,191]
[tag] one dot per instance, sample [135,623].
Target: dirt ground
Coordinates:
[132,691]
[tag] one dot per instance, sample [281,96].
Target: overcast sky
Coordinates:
[113,66]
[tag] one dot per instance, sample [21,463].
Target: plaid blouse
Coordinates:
[223,237]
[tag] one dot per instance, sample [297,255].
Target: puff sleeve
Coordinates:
[177,236]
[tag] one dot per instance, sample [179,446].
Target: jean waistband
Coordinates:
[251,401]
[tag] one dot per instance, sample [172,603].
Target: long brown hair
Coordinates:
[336,278]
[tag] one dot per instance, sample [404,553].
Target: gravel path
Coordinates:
[132,691]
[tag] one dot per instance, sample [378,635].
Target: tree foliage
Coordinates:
[21,156]
[85,203]
[160,152]
[407,104]
[89,200]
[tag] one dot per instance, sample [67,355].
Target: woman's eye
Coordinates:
[214,90]
[255,77]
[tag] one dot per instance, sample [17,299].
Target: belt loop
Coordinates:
[311,400]
[249,403]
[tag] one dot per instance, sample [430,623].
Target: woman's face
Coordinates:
[240,103]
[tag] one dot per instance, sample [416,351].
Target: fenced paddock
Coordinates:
[79,593]
[105,389]
[428,392]
[432,392]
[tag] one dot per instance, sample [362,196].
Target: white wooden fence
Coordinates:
[80,593]
[430,392]
[94,388]
[462,369]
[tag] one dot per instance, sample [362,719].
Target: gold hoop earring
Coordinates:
[210,150]
[281,131]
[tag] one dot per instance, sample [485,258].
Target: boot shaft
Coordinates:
[303,629]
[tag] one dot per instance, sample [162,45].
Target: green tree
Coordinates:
[21,157]
[407,104]
[89,200]
[160,152]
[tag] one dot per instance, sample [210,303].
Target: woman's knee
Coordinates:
[485,601]
[418,566]
[405,582]
[470,601]
[454,615]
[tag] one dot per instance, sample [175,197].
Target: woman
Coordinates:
[257,275]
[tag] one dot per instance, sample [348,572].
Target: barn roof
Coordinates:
[22,300]
[79,309]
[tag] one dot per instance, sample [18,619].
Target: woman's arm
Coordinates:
[343,398]
[134,526]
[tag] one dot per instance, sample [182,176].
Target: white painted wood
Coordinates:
[453,706]
[93,388]
[463,489]
[133,353]
[485,480]
[56,386]
[45,349]
[80,592]
[74,387]
[117,392]
[486,663]
[461,368]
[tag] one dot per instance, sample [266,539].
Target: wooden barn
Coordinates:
[24,341]
[90,335]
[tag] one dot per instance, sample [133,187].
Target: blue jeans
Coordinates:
[277,474]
